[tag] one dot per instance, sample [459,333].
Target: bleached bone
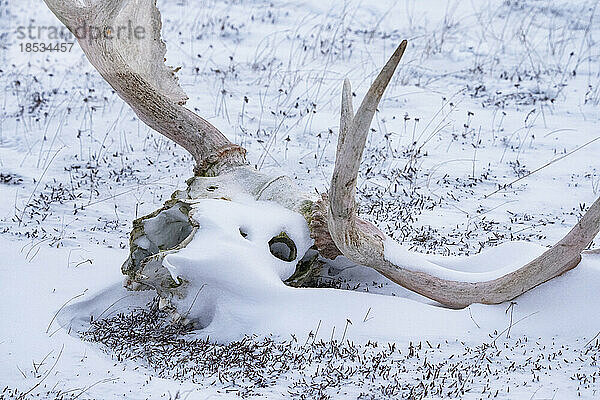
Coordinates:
[135,68]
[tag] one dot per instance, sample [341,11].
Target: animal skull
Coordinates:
[182,224]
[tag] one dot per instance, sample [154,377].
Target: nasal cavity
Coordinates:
[282,247]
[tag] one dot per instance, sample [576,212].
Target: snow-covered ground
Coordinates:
[486,135]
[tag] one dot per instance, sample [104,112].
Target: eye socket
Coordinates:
[282,247]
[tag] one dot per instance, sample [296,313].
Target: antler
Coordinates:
[134,66]
[364,244]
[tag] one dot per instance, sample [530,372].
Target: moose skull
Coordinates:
[136,71]
[218,214]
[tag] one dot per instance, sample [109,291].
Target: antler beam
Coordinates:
[364,244]
[134,67]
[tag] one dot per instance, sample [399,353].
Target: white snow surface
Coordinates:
[486,266]
[487,93]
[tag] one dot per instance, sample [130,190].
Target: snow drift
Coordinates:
[234,287]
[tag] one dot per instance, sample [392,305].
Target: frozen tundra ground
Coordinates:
[488,133]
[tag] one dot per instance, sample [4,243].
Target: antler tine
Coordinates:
[347,113]
[364,244]
[353,136]
[366,111]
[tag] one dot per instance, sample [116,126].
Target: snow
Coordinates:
[246,295]
[487,93]
[488,265]
[236,288]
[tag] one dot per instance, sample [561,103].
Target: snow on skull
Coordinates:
[239,252]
